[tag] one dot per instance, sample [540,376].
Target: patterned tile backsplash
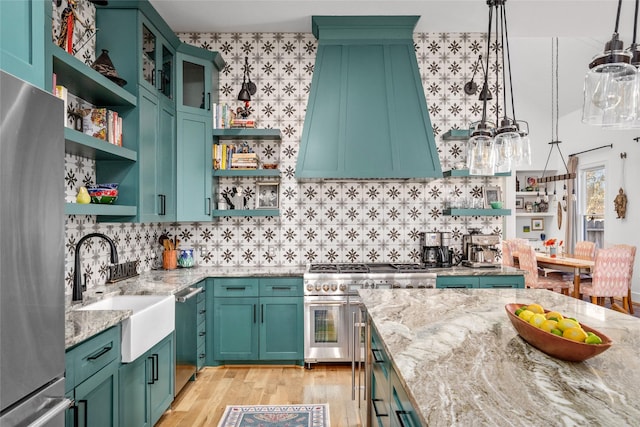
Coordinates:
[329,221]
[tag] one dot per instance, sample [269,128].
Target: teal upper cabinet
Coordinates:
[25,26]
[197,77]
[157,61]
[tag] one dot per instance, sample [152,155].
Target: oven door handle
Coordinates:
[324,304]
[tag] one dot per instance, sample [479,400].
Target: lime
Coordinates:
[575,334]
[593,339]
[518,311]
[557,332]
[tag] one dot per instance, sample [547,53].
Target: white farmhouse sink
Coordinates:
[153,319]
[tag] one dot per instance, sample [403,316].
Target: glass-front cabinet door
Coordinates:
[157,62]
[195,84]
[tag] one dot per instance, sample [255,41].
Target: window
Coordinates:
[592,186]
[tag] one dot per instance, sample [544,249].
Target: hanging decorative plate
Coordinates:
[559,215]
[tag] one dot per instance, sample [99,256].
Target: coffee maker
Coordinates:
[445,253]
[479,250]
[430,244]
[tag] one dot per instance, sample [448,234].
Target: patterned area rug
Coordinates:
[276,415]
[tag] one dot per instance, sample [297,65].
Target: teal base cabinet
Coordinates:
[147,385]
[190,343]
[92,381]
[257,320]
[483,282]
[390,404]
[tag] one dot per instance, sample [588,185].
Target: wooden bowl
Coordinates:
[269,165]
[554,345]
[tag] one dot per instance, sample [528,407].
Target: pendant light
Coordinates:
[498,147]
[610,89]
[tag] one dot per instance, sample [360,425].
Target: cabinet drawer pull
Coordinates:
[375,408]
[201,334]
[156,365]
[203,311]
[399,415]
[201,356]
[208,100]
[86,409]
[101,352]
[281,288]
[254,313]
[163,204]
[235,288]
[207,211]
[151,380]
[261,313]
[374,352]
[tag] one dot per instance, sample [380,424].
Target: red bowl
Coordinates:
[554,345]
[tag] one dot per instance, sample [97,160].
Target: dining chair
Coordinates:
[507,254]
[612,276]
[529,263]
[585,250]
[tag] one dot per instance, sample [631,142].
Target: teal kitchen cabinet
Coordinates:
[197,77]
[146,385]
[402,413]
[190,334]
[92,380]
[25,27]
[257,320]
[512,281]
[380,382]
[142,48]
[157,126]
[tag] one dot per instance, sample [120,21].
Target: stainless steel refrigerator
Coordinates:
[31,256]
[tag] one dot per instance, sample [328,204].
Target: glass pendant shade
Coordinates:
[507,137]
[481,156]
[605,102]
[521,151]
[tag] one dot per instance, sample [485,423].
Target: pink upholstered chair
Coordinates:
[585,250]
[507,254]
[528,262]
[612,276]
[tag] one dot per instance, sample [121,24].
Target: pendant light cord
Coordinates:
[486,71]
[615,31]
[508,50]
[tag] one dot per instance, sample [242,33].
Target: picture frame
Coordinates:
[491,194]
[526,229]
[528,207]
[519,202]
[531,183]
[537,224]
[267,195]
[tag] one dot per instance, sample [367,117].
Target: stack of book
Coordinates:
[243,123]
[244,161]
[103,124]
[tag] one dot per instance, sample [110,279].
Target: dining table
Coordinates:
[568,263]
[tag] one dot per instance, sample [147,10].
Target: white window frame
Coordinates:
[581,190]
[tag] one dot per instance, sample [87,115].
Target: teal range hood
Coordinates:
[367,115]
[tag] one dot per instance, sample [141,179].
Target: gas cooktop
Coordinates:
[366,268]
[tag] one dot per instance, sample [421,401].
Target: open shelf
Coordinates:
[85,82]
[246,212]
[247,133]
[84,145]
[533,214]
[476,212]
[98,209]
[465,172]
[247,172]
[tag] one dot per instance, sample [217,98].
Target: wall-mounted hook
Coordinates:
[623,155]
[637,139]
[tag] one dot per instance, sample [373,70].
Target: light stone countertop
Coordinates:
[462,362]
[81,325]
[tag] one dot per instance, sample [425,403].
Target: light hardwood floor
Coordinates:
[202,402]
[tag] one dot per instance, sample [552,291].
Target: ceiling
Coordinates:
[526,18]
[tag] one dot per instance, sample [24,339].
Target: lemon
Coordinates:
[557,332]
[593,339]
[575,334]
[567,323]
[554,315]
[537,320]
[548,325]
[525,315]
[536,308]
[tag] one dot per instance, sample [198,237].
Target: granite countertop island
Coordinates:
[462,363]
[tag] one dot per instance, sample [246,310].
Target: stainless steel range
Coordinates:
[332,305]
